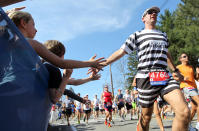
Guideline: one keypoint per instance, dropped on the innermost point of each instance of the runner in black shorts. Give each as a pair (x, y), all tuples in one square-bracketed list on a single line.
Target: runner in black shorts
[(128, 102), (87, 109), (120, 103)]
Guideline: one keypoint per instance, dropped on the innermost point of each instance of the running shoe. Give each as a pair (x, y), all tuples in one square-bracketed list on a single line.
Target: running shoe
[(105, 122), (109, 125)]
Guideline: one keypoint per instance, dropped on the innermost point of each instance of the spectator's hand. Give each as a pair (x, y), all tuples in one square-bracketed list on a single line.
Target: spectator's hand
[(92, 69), (67, 73), (14, 9), (94, 76), (96, 63), (55, 95)]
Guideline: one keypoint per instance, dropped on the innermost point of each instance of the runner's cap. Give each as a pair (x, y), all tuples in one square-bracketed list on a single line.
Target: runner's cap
[(152, 8)]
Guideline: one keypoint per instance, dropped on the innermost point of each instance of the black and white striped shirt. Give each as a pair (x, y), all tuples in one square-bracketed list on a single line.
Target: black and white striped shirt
[(151, 46)]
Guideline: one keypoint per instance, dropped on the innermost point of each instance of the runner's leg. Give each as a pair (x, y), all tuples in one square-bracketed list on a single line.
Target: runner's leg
[(182, 114), (145, 118), (196, 100), (193, 109), (157, 115)]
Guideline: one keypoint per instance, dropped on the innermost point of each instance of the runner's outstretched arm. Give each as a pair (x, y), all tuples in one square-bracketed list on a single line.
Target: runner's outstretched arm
[(115, 56)]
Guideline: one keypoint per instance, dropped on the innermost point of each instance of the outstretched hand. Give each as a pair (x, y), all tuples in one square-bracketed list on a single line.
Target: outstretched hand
[(101, 65), (95, 76), (97, 63), (14, 9), (67, 73)]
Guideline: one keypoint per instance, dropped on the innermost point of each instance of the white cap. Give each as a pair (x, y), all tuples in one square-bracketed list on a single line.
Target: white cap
[(152, 8)]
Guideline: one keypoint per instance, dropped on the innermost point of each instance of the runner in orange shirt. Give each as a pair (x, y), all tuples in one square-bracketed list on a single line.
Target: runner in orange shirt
[(188, 85)]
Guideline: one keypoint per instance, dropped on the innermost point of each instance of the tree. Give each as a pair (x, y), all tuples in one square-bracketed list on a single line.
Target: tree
[(182, 28), (121, 66), (132, 68)]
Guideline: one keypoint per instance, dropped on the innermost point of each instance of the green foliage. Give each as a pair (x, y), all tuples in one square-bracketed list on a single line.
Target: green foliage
[(182, 28), (132, 68)]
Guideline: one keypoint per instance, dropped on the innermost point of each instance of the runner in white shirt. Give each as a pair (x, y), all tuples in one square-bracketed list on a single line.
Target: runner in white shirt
[(101, 107), (96, 107), (79, 109), (68, 110), (87, 109), (128, 101)]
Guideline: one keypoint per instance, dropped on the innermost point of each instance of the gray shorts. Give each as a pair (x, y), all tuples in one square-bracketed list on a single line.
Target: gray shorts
[(188, 91)]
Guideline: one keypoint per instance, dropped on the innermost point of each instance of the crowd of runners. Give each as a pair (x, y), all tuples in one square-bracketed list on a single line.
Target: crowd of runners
[(155, 89), (106, 106)]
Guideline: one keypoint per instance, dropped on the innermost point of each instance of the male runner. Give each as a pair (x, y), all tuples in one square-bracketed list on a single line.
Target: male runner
[(153, 58)]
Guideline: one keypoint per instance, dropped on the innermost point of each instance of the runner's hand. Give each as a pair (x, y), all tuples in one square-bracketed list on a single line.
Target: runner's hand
[(96, 63), (175, 76), (178, 76)]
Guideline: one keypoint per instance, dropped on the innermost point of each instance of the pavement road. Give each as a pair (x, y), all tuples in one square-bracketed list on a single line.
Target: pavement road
[(98, 125)]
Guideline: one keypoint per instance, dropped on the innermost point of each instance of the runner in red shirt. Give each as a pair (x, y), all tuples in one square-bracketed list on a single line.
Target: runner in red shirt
[(107, 99)]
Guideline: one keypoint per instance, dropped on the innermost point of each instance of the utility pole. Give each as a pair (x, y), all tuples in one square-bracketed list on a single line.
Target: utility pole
[(111, 81)]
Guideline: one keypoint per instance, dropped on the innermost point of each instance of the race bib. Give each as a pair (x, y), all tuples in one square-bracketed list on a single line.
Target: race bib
[(158, 78)]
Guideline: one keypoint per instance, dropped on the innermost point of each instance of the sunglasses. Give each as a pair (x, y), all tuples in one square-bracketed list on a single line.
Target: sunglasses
[(184, 56), (151, 12)]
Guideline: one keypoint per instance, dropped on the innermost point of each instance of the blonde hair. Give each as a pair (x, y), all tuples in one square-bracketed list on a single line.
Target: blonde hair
[(55, 47), (17, 16)]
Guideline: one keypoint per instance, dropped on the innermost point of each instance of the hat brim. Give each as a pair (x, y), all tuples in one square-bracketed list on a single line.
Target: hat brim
[(152, 8)]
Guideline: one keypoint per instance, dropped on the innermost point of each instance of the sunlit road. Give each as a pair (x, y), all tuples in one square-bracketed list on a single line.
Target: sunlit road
[(98, 125)]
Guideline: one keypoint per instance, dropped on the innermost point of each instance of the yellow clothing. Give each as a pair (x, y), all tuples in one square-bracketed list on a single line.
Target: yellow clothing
[(187, 71)]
